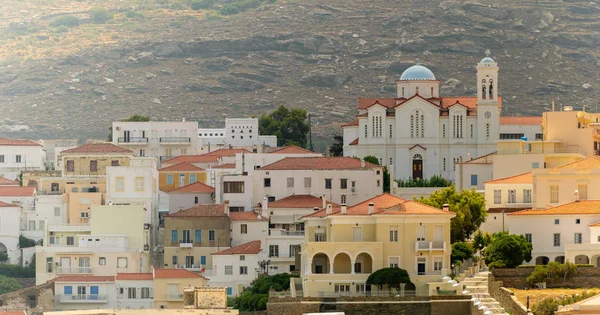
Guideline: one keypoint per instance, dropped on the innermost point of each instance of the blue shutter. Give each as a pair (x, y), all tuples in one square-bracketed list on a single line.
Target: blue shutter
[(174, 236), (68, 289), (94, 289), (192, 178), (203, 260), (198, 236), (473, 180), (229, 291), (169, 179)]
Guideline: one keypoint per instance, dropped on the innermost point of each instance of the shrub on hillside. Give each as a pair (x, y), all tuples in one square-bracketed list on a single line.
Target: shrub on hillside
[(100, 15), (229, 9), (65, 20), (201, 4)]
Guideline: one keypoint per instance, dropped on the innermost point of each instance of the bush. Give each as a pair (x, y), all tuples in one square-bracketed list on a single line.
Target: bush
[(508, 250), (461, 251), (134, 14), (201, 4), (549, 305), (434, 181), (390, 277), (100, 15), (65, 20), (539, 274), (25, 242), (229, 9), (8, 285), (256, 296), (14, 271), (3, 256)]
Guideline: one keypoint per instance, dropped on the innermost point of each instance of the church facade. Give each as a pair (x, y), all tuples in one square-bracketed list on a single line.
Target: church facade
[(420, 133)]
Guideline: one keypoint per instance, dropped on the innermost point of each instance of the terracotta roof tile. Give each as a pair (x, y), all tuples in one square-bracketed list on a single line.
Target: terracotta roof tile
[(7, 205), (318, 163), (354, 142), (134, 276), (586, 164), (191, 159), (575, 207), (597, 224), (181, 167), (520, 120), (350, 124), (74, 278), (18, 142), (227, 152), (388, 102), (197, 187), (13, 313), (246, 216), (97, 148), (386, 204), (467, 101), (16, 191), (208, 210), (249, 248), (226, 165), (8, 182), (505, 210), (525, 178), (484, 159), (292, 149), (299, 201), (175, 274)]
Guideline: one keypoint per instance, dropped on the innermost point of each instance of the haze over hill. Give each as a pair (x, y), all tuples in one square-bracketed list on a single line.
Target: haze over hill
[(168, 61)]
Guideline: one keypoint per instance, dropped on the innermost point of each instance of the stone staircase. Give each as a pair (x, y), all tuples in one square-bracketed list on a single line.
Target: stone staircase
[(477, 287)]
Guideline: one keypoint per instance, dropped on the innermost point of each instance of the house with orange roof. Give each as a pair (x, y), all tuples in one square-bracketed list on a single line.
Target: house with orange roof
[(473, 172), (189, 195), (169, 285), (247, 226), (135, 290), (179, 175), (236, 267), (18, 155), (344, 245), (237, 133), (83, 292), (92, 159), (504, 196)]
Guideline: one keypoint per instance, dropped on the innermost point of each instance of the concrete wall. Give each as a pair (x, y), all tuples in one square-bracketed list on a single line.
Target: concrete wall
[(506, 298), (410, 192), (19, 300), (146, 312)]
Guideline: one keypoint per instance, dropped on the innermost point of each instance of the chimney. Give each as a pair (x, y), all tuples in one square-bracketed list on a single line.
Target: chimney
[(323, 202), (576, 195), (445, 207), (371, 208), (265, 208), (344, 208), (226, 206), (329, 209), (363, 164)]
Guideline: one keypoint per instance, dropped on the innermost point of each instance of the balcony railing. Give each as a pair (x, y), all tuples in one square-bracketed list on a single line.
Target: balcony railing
[(282, 232), (133, 140), (73, 270), (427, 245), (186, 244), (175, 139), (192, 267), (176, 297), (82, 298), (72, 227)]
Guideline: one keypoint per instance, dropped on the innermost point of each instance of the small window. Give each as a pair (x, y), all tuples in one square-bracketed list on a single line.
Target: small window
[(195, 200), (174, 236), (343, 199), (473, 180), (535, 164), (114, 163), (267, 182), (556, 239), (70, 166), (229, 270), (290, 182), (528, 237), (578, 238), (244, 228), (169, 179), (18, 158), (343, 183), (273, 250), (139, 184), (102, 261), (242, 257), (307, 182), (211, 235), (556, 221), (554, 194), (394, 233), (119, 184), (57, 211), (577, 221), (94, 166), (327, 183), (122, 262), (243, 270), (497, 196), (70, 240), (1, 158)]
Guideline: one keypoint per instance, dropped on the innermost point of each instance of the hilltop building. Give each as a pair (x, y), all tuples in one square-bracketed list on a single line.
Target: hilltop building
[(238, 132)]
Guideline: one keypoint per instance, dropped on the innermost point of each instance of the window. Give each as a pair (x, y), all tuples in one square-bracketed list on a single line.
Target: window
[(528, 237), (487, 130), (175, 260), (391, 161), (514, 136), (114, 163), (342, 288), (357, 234), (294, 249), (577, 238), (556, 239), (535, 164), (18, 158), (186, 237), (437, 263), (526, 195), (139, 184), (242, 257), (174, 236), (84, 262), (582, 188), (343, 183), (553, 193), (267, 182), (70, 240), (444, 131), (376, 123), (497, 196), (244, 228), (196, 200), (81, 290), (192, 178), (273, 250), (320, 237), (457, 122), (70, 166), (378, 182), (343, 199), (131, 293), (57, 211), (120, 184), (394, 233), (539, 136), (512, 196), (1, 158), (229, 270), (577, 221), (68, 289), (145, 293), (243, 270), (290, 182), (102, 261), (307, 182), (94, 166), (444, 162), (203, 260), (31, 225), (233, 187), (211, 235), (357, 267), (471, 131), (366, 131), (198, 236), (169, 179), (473, 180), (391, 131), (327, 183), (394, 262), (49, 264)]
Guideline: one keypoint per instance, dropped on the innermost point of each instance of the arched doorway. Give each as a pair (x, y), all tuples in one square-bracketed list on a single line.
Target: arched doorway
[(417, 165), (342, 263), (363, 263), (596, 261), (542, 260), (582, 260), (560, 259), (320, 263)]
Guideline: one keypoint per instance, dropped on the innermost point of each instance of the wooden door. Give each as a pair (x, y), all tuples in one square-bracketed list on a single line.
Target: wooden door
[(417, 169)]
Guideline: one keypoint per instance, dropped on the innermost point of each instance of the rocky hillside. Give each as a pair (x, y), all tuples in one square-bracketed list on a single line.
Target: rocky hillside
[(321, 55)]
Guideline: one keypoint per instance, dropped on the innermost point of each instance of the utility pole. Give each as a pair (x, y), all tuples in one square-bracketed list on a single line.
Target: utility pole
[(310, 144)]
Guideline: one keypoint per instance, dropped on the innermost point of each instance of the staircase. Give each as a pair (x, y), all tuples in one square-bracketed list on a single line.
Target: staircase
[(477, 287)]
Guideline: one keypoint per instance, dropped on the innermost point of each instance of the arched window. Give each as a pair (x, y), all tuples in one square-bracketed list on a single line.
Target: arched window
[(457, 121), (491, 89), (483, 89), (417, 157)]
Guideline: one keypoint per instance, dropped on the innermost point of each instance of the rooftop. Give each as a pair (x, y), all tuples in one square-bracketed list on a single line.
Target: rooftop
[(16, 191), (575, 207), (292, 149), (75, 278), (197, 187), (134, 276), (18, 142), (191, 159), (7, 205), (318, 163), (181, 167), (352, 123), (8, 182), (246, 216), (525, 178), (227, 152), (175, 274), (586, 164), (226, 165), (520, 120), (206, 210), (300, 201), (97, 148), (249, 248)]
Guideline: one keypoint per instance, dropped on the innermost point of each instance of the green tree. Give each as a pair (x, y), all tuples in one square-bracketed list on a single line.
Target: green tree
[(25, 242), (337, 147), (390, 277), (461, 251), (255, 297), (481, 240), (201, 4), (289, 126), (100, 15), (65, 20), (468, 205), (371, 159), (8, 285), (507, 250), (3, 256), (135, 117)]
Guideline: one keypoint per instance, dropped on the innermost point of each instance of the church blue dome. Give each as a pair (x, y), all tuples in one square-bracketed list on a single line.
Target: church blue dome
[(487, 60), (417, 72)]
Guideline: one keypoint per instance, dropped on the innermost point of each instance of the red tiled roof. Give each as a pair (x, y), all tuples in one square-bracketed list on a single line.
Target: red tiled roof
[(226, 165), (16, 191), (191, 159), (8, 182), (249, 248), (227, 152), (575, 207), (13, 313), (175, 274), (525, 178), (354, 142), (585, 164), (300, 201), (181, 167), (505, 210), (75, 278), (197, 187), (98, 148), (18, 142), (6, 205), (134, 276), (388, 102), (246, 216), (467, 101), (484, 159), (386, 204), (318, 163), (350, 124), (292, 149), (208, 210), (597, 224), (520, 120)]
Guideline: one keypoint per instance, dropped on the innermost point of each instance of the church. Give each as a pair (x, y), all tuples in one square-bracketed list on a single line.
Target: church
[(420, 133)]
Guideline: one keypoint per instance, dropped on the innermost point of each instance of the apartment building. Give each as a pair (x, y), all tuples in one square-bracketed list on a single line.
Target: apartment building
[(81, 292), (9, 231), (504, 196), (18, 155), (189, 196), (135, 290), (161, 140), (238, 132), (517, 127), (344, 245), (169, 285), (247, 226), (92, 159), (179, 175), (235, 268)]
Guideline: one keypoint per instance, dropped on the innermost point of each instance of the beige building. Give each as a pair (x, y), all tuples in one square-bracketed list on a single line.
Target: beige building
[(169, 285), (92, 159), (344, 245), (504, 196)]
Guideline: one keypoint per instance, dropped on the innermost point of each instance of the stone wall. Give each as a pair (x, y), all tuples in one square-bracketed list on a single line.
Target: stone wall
[(586, 277), (36, 300), (506, 298)]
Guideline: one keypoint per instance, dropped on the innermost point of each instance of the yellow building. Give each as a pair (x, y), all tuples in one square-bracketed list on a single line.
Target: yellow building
[(179, 175), (169, 285), (343, 246), (92, 159)]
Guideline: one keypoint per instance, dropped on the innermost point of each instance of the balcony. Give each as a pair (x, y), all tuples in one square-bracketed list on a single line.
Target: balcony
[(73, 227), (429, 246), (73, 270), (175, 297), (175, 140), (282, 232), (81, 298), (517, 204), (133, 140), (192, 267), (186, 244)]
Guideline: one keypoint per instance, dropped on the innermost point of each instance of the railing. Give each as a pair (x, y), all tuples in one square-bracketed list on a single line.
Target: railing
[(282, 232), (175, 297), (193, 267), (49, 192), (73, 270), (426, 245), (186, 244), (82, 298), (141, 140), (542, 151), (175, 139)]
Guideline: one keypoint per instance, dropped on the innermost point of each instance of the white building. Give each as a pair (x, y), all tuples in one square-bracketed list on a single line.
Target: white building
[(188, 196), (236, 267), (421, 133), (135, 290), (84, 293), (518, 127), (162, 140), (49, 209), (247, 226), (20, 155), (238, 132), (9, 231), (53, 149)]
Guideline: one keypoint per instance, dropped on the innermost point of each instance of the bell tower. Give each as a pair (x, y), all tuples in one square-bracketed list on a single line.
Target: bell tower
[(487, 80)]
